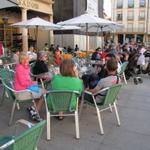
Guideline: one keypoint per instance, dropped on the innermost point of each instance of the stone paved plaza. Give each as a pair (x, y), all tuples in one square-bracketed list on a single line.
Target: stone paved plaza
[(134, 132)]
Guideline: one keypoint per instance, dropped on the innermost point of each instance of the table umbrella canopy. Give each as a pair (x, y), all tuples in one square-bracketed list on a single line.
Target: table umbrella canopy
[(86, 20), (36, 22), (111, 27), (63, 28)]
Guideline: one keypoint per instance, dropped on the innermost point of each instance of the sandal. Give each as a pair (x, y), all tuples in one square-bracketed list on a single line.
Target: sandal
[(60, 117)]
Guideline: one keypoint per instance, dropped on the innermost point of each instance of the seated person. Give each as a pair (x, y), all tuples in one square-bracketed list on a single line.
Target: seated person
[(96, 55), (67, 80), (15, 57), (56, 58), (22, 81), (65, 50), (69, 49), (103, 72), (76, 48), (32, 55), (91, 80), (52, 49), (46, 47), (41, 66), (111, 79)]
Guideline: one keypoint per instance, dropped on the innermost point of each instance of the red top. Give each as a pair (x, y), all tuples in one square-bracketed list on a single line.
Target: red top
[(103, 55), (58, 60), (1, 49)]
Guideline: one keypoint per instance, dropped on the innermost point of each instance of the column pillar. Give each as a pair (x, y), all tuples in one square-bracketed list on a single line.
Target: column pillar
[(115, 38), (135, 37), (124, 38), (24, 31), (51, 33)]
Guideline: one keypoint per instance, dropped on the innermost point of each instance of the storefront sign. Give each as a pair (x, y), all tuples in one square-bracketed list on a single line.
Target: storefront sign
[(28, 4), (92, 7)]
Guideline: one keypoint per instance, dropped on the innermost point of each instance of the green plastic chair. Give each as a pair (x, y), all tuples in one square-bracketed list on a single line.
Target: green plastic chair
[(27, 140), (5, 74), (62, 101), (12, 94), (108, 101), (121, 74)]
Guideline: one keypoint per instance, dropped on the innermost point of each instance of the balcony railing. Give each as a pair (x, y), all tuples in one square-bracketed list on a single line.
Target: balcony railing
[(130, 5), (119, 6), (129, 30), (130, 18), (141, 18)]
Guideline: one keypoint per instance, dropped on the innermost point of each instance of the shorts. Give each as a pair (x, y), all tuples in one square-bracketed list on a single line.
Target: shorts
[(29, 95)]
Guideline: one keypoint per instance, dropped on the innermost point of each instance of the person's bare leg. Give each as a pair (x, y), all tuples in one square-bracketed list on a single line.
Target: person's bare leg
[(61, 116), (39, 104)]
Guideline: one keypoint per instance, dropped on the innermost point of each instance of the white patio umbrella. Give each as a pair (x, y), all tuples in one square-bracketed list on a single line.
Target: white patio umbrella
[(111, 27), (86, 20), (36, 23)]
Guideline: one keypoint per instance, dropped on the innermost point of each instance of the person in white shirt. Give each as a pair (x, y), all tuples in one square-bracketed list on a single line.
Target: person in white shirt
[(142, 50), (32, 55)]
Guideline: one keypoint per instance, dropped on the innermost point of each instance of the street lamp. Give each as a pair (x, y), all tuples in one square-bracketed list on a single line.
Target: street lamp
[(5, 21)]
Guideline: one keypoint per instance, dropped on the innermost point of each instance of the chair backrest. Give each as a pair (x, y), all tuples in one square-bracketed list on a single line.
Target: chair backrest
[(6, 74), (8, 84), (62, 101), (123, 68), (5, 59), (29, 139), (112, 94), (31, 67)]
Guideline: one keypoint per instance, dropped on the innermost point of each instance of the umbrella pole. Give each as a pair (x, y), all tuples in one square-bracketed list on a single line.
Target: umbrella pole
[(97, 37), (102, 36), (87, 37), (62, 39), (36, 37)]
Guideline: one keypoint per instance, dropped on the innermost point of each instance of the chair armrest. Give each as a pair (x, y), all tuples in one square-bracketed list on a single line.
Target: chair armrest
[(22, 122), (100, 91), (13, 89), (77, 92), (7, 144), (88, 92), (25, 122), (20, 91), (51, 91)]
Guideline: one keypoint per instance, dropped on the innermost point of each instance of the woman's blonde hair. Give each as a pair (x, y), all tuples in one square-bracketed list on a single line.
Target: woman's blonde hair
[(22, 57), (67, 68)]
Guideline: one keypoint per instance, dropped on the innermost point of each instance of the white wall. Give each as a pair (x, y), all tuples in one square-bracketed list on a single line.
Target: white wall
[(43, 37), (80, 40)]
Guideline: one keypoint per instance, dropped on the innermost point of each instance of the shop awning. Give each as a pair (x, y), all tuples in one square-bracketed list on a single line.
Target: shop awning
[(7, 3)]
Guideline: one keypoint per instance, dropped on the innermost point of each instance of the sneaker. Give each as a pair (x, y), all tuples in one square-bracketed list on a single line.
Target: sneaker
[(60, 117), (135, 81), (36, 117), (140, 80), (33, 114)]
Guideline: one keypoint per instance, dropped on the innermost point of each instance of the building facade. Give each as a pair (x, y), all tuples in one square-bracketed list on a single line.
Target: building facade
[(135, 16), (12, 11), (67, 9)]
